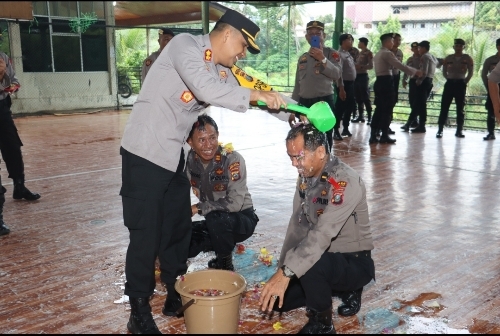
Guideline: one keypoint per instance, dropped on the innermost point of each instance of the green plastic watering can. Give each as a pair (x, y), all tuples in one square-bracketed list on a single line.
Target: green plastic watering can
[(319, 114)]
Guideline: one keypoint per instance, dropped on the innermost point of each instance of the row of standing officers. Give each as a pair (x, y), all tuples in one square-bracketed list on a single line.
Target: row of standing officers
[(314, 79)]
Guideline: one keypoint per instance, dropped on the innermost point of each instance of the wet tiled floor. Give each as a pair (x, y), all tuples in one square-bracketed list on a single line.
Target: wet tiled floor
[(433, 208)]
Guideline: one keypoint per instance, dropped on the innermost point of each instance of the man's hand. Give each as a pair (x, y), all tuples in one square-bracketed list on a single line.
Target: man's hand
[(194, 210), (317, 54), (292, 120), (273, 99), (419, 73), (342, 94), (276, 286)]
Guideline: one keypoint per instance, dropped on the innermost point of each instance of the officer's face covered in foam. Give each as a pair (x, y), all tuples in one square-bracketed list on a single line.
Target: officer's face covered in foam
[(205, 142), (308, 163)]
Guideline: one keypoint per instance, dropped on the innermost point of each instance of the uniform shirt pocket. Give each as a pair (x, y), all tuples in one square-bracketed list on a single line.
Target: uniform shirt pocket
[(186, 100), (134, 204)]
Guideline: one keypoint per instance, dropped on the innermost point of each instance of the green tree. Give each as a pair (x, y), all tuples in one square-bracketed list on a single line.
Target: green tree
[(487, 13), (391, 26)]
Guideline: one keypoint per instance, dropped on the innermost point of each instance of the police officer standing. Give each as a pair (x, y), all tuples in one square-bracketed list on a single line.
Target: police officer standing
[(190, 73), (455, 68), (328, 242), (4, 229), (423, 85), (488, 66), (414, 62), (494, 90), (164, 36), (346, 101), (364, 63), (395, 72), (384, 62), (317, 69), (10, 142), (218, 178), (355, 54)]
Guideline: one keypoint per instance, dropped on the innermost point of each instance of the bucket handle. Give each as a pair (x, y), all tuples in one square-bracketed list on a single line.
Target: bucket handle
[(186, 306)]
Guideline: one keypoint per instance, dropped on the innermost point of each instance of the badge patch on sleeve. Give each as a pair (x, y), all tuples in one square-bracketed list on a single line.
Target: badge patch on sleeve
[(319, 212), (208, 55), (234, 169), (338, 191), (148, 62), (336, 56), (187, 96)]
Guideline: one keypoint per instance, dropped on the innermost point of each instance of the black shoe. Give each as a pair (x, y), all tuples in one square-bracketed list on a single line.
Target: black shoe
[(389, 131), (351, 303), (439, 134), (405, 127), (419, 129), (141, 320), (337, 136), (369, 121), (490, 136), (346, 133), (319, 323), (358, 119), (172, 303), (459, 134), (4, 229), (373, 139), (20, 191), (386, 139), (414, 124), (222, 262)]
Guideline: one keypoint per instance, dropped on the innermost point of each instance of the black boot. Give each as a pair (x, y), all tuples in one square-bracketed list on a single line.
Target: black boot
[(439, 134), (346, 133), (4, 229), (419, 129), (141, 320), (351, 303), (222, 262), (20, 191), (490, 136), (459, 134), (389, 131), (319, 322), (369, 117), (360, 117), (406, 127), (336, 135), (172, 303), (200, 239), (373, 136)]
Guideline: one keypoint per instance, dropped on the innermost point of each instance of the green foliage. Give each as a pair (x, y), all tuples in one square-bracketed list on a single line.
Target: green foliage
[(392, 26), (487, 13)]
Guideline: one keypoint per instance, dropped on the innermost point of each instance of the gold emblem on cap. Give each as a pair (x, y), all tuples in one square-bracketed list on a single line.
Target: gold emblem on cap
[(160, 32), (251, 39)]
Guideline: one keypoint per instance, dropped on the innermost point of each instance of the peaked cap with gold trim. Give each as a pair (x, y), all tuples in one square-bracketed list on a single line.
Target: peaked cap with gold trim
[(248, 29)]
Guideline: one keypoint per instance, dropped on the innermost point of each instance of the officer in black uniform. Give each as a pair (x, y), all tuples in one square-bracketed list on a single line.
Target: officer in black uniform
[(488, 66), (10, 143)]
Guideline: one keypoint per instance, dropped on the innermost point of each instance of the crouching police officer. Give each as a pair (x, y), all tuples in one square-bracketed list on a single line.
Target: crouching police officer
[(218, 178), (327, 247)]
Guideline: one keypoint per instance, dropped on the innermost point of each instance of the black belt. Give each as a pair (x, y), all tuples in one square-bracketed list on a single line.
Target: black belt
[(360, 254), (455, 80)]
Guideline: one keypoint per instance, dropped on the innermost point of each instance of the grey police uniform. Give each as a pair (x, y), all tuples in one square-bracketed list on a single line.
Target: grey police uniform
[(226, 204), (148, 63), (155, 189), (384, 63), (423, 88), (454, 70), (364, 62), (344, 108), (414, 62), (328, 242), (313, 81), (10, 142), (488, 66), (397, 76)]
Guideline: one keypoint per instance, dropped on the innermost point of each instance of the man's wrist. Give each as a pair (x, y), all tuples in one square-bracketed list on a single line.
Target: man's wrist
[(287, 272), (323, 60)]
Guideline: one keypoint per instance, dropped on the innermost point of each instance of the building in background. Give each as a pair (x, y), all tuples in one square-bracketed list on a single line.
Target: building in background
[(361, 15)]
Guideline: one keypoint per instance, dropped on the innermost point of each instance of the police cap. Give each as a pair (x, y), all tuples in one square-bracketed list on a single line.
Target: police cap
[(315, 24), (425, 44), (248, 29), (364, 40), (344, 37), (414, 44), (459, 41), (165, 31), (384, 37)]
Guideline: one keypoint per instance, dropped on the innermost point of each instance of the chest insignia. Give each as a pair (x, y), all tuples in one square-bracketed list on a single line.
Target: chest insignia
[(223, 74), (219, 187), (219, 171), (319, 212), (187, 96)]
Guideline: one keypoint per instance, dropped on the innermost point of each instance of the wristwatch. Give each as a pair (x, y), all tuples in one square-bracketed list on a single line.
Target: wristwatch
[(199, 209), (287, 272), (324, 60)]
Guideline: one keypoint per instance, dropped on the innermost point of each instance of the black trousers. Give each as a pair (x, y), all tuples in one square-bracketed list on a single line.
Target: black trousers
[(419, 106), (2, 196), (453, 88), (332, 273), (220, 231), (412, 90), (308, 102), (10, 143), (345, 107), (396, 80), (362, 93), (490, 119), (384, 103), (157, 212)]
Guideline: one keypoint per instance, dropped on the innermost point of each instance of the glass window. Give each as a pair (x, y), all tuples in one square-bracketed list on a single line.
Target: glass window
[(94, 48), (63, 8), (4, 37), (40, 8), (403, 26), (88, 7), (66, 53), (35, 46), (422, 25), (61, 26)]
